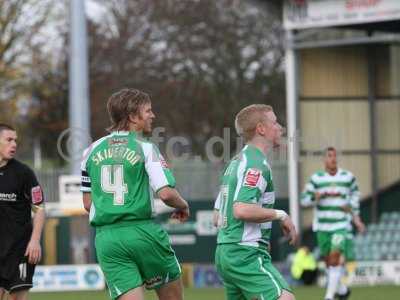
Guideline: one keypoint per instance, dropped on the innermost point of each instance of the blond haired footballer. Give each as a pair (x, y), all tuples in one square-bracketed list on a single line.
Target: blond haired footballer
[(120, 172), (245, 213)]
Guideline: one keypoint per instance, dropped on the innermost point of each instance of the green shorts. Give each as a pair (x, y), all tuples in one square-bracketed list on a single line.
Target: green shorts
[(134, 254), (247, 273), (331, 241), (349, 247)]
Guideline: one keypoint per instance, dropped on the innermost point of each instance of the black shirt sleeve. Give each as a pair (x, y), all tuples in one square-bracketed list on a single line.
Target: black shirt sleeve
[(32, 189)]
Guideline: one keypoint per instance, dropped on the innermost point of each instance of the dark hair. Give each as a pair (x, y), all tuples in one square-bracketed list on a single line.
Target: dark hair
[(4, 126), (330, 148), (123, 104)]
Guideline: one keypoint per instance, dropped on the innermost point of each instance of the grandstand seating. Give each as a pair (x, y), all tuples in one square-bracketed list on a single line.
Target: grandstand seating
[(381, 240)]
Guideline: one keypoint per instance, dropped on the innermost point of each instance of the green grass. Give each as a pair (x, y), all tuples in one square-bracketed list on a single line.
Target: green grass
[(302, 293)]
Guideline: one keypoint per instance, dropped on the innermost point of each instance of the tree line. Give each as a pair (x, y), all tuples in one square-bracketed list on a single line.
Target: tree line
[(200, 60)]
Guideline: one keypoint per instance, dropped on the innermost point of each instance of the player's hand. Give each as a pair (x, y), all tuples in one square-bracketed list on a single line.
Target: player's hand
[(289, 230), (33, 252), (346, 208), (359, 224), (317, 197), (215, 217), (181, 214)]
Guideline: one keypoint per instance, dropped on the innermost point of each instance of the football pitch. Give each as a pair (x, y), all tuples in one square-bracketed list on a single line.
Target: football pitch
[(302, 293)]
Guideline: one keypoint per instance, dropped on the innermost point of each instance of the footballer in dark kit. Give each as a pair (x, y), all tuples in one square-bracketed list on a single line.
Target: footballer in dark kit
[(20, 195)]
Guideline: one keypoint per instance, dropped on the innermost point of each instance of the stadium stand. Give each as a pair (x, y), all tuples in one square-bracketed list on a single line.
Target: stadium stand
[(381, 240)]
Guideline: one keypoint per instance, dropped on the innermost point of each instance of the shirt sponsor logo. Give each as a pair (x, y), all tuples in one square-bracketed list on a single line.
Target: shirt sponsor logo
[(118, 141), (251, 178), (8, 197), (330, 194), (37, 195)]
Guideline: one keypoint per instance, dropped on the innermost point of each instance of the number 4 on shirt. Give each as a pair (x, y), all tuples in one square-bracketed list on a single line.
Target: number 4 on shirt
[(112, 181)]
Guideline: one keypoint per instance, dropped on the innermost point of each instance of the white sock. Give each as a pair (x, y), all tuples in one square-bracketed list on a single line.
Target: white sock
[(342, 289), (334, 275)]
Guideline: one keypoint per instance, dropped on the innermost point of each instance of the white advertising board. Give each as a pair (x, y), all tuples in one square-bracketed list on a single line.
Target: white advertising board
[(301, 14), (374, 273), (68, 278)]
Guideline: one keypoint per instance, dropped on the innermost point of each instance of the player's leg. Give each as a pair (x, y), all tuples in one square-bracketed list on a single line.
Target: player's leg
[(171, 291), (122, 275), (336, 262), (20, 295), (20, 278), (157, 261), (2, 293), (232, 292), (343, 291), (276, 286), (222, 262), (324, 245), (286, 295), (134, 294), (251, 272)]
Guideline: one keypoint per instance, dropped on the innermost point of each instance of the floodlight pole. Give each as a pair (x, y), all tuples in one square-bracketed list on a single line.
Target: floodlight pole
[(79, 114), (292, 147)]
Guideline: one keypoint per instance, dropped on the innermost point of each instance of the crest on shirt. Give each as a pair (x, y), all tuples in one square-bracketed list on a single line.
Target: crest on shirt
[(37, 195), (251, 178), (163, 162)]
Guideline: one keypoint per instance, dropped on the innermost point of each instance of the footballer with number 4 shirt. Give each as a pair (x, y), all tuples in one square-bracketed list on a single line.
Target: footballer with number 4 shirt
[(120, 171), (20, 194)]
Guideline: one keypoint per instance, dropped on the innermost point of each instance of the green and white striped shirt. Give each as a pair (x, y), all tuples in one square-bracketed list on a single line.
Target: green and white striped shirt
[(247, 179), (336, 191)]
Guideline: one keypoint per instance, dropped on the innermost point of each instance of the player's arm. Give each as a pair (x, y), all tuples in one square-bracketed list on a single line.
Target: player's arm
[(310, 196), (254, 213), (217, 207), (354, 195), (172, 198), (34, 193), (246, 206), (163, 182), (86, 185), (87, 201), (253, 183), (358, 223), (33, 251)]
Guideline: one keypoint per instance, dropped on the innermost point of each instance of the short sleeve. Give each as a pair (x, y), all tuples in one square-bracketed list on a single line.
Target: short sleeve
[(159, 173), (251, 182), (308, 196), (86, 184), (32, 189), (217, 204), (354, 196)]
